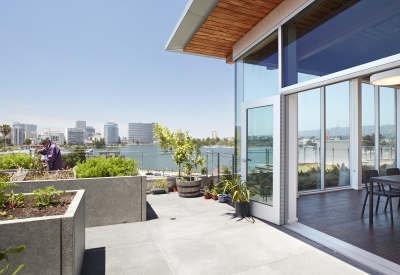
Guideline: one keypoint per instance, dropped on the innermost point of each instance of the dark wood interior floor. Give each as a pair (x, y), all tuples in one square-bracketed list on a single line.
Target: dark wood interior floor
[(338, 214)]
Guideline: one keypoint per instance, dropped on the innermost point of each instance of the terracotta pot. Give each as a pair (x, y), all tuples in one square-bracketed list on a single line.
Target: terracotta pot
[(214, 197), (175, 189), (207, 196)]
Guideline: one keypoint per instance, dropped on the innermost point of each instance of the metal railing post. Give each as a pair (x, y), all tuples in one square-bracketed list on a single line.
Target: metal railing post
[(233, 166), (218, 165)]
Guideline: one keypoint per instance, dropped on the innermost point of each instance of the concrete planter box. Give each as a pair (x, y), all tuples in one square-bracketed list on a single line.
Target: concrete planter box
[(113, 200), (54, 244)]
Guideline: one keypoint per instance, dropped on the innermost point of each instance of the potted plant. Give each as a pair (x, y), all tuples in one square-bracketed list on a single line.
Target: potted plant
[(185, 153), (240, 195), (207, 194), (214, 194), (160, 186)]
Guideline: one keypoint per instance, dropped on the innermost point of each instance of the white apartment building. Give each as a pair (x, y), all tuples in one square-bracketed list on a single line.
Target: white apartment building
[(75, 136), (214, 134), (110, 133), (140, 132), (55, 136)]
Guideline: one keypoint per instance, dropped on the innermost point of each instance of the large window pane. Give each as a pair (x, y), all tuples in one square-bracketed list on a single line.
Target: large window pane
[(330, 36), (260, 70), (337, 170), (386, 128), (309, 151), (368, 127), (260, 154)]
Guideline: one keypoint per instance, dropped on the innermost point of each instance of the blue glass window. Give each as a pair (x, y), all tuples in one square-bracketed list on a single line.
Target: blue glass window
[(330, 36)]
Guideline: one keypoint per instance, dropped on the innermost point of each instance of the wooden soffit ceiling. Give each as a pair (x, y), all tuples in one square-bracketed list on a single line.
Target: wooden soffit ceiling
[(228, 21)]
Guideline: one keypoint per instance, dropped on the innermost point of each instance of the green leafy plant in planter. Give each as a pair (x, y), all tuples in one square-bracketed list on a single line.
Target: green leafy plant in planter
[(214, 193), (3, 186), (240, 195), (4, 257), (46, 196), (106, 167), (185, 153), (160, 186)]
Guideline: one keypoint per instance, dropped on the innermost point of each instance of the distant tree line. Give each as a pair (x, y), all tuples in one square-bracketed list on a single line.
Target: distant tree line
[(213, 141)]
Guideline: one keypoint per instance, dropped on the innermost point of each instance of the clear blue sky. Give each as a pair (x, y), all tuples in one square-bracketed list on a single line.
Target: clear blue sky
[(101, 61)]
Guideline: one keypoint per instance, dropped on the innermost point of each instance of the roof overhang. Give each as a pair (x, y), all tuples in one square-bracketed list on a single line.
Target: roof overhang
[(211, 27)]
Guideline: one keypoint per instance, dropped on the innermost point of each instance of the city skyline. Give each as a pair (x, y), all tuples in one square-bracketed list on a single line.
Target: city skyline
[(64, 61)]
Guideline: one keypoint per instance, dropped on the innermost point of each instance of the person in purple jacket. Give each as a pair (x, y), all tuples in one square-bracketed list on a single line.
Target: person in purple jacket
[(53, 153)]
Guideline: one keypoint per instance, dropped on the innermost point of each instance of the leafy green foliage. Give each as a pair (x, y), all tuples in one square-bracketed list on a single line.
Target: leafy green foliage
[(106, 167), (72, 159), (99, 143), (3, 186), (15, 161), (27, 141), (237, 188), (46, 196), (161, 183), (182, 146), (3, 256), (15, 201), (5, 129)]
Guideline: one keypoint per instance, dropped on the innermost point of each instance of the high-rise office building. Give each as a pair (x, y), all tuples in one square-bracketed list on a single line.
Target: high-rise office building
[(214, 134), (75, 136), (17, 135), (140, 132), (80, 124), (110, 133), (90, 131)]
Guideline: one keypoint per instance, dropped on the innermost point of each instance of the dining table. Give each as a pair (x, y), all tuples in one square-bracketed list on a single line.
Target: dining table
[(391, 180)]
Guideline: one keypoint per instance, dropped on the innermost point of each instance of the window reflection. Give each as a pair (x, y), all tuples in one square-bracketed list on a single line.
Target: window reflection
[(309, 148), (387, 135), (260, 70), (368, 127), (330, 36), (337, 148), (260, 154)]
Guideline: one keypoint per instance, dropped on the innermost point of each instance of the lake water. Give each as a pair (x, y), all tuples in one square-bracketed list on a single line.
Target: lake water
[(150, 157)]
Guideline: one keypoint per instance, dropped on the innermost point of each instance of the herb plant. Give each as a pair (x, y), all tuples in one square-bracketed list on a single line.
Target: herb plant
[(106, 167), (46, 196), (3, 256)]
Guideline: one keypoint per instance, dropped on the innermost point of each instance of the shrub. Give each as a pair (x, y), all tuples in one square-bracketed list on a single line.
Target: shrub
[(106, 167), (15, 161), (72, 159)]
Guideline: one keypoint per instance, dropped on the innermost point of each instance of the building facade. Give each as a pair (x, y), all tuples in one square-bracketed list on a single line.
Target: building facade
[(75, 136), (80, 124), (110, 133), (90, 131), (326, 72), (140, 132), (17, 135), (55, 136), (214, 134)]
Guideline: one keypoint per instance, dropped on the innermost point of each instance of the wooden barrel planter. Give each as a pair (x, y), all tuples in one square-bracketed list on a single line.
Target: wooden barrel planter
[(188, 189)]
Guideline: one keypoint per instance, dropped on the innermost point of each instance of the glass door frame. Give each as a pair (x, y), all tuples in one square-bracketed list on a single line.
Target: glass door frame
[(275, 213)]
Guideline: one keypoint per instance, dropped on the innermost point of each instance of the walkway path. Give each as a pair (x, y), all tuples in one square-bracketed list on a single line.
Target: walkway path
[(198, 236)]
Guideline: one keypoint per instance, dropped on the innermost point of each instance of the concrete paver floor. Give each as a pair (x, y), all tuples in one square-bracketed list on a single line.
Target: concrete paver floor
[(198, 236)]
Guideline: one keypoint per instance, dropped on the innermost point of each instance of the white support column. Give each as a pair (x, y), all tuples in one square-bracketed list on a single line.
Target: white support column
[(377, 130), (397, 128), (291, 182), (323, 136), (355, 134)]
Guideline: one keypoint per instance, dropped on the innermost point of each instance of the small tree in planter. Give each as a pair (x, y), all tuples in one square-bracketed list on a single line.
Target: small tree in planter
[(184, 152), (240, 195)]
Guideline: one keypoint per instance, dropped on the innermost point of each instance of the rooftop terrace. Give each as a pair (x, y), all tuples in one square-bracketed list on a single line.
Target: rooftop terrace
[(198, 236)]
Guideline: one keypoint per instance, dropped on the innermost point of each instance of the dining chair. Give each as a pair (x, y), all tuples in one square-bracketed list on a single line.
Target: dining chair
[(391, 172), (380, 192)]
